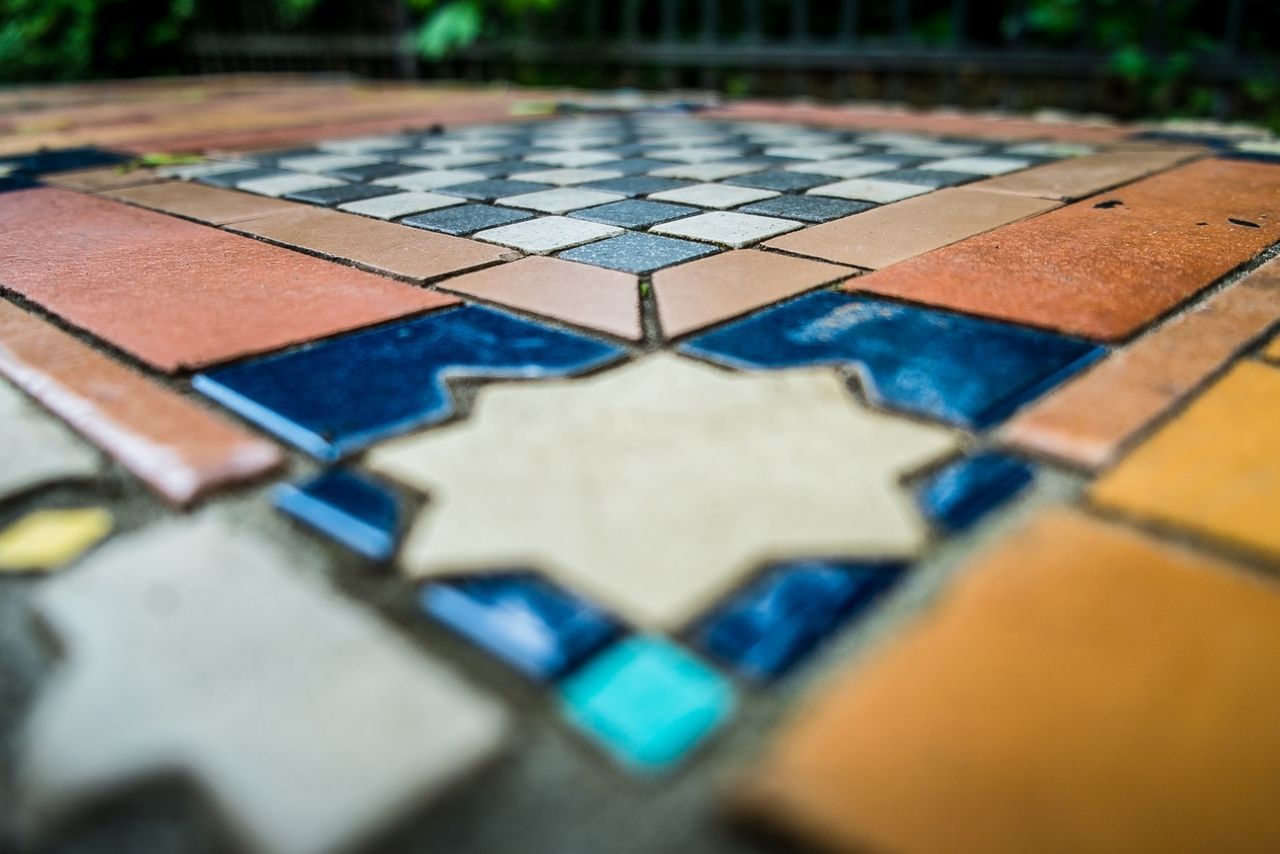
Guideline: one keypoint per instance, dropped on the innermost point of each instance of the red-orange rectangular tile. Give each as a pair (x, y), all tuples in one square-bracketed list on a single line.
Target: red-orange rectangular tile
[(212, 205), (1087, 421), (1106, 267), (180, 295), (180, 449)]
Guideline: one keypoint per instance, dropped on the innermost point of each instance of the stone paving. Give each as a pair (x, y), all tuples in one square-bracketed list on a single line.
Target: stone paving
[(424, 468)]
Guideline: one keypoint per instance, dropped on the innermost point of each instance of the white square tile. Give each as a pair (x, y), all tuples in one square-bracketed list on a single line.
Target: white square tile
[(560, 200), (365, 144), (400, 204), (283, 185), (547, 234), (206, 169), (870, 190), (978, 165), (432, 179), (813, 152), (713, 195), (852, 167), (727, 228), (565, 177), (325, 162), (933, 148), (448, 161), (710, 171), (695, 155), (572, 159)]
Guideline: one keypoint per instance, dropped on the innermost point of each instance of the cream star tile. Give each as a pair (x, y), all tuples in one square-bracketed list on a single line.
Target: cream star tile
[(196, 648), (655, 488)]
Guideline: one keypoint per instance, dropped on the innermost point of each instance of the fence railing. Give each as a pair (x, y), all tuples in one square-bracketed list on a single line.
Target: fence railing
[(945, 51)]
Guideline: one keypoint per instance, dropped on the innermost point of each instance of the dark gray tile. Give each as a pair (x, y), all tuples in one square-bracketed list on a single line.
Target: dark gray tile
[(928, 177), (497, 188), (465, 219), (635, 166), (638, 253), (373, 172), (780, 180), (634, 213), (230, 179), (806, 208), (340, 195), (638, 185)]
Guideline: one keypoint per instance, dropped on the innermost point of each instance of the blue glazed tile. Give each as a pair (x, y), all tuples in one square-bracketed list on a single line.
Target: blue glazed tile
[(638, 252), (339, 395), (66, 160), (950, 367), (965, 491), (763, 631), (360, 514), (647, 702), (537, 628)]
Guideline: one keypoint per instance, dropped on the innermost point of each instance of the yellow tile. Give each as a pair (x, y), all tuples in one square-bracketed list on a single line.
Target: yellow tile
[(1214, 469), (48, 539), (1273, 349)]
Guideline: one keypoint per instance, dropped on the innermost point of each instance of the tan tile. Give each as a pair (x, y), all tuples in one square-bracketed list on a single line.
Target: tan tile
[(1215, 468), (1088, 420), (213, 205), (1106, 267), (101, 179), (1075, 178), (657, 487), (580, 294), (384, 247), (178, 448), (180, 295), (887, 235), (700, 293), (1081, 688)]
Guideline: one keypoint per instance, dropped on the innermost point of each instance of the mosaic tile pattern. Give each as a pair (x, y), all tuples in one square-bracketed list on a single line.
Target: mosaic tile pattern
[(653, 479)]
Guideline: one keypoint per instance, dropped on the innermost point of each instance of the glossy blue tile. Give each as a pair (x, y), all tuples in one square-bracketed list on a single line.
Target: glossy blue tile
[(965, 491), (950, 367), (647, 702), (763, 631), (537, 628), (336, 396), (359, 513)]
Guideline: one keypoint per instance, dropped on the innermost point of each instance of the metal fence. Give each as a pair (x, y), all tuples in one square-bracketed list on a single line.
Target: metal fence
[(945, 51)]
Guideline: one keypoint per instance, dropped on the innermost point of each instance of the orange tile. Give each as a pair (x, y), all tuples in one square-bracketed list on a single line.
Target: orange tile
[(178, 448), (211, 205), (896, 232), (1087, 421), (1080, 688), (1075, 178), (697, 294), (179, 295), (580, 294), (383, 247), (1215, 468)]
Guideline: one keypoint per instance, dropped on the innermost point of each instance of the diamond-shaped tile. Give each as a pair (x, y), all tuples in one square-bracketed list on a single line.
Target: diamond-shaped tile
[(870, 190), (780, 180), (638, 253), (493, 188), (546, 234), (284, 184), (711, 171), (340, 195), (636, 185), (806, 208), (713, 195), (853, 167), (316, 163), (635, 213), (726, 228), (572, 159), (565, 177), (560, 200), (465, 219), (399, 204), (988, 165), (431, 180), (647, 702)]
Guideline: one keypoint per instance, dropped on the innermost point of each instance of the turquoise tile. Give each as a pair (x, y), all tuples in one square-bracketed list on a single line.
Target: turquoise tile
[(647, 702)]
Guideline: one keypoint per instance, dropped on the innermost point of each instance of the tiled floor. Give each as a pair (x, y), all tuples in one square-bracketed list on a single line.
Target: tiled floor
[(440, 470)]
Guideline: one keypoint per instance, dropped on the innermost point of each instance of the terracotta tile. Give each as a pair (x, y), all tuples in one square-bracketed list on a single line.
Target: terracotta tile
[(203, 204), (180, 295), (887, 235), (580, 294), (1081, 688), (180, 449), (1103, 268), (1087, 421), (700, 293), (101, 179), (1215, 468), (384, 247), (1076, 178)]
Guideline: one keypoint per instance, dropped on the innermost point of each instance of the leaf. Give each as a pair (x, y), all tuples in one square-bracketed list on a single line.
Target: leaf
[(450, 27)]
